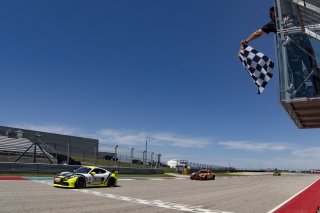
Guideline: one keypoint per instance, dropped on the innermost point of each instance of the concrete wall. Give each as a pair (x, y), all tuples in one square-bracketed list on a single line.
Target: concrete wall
[(12, 168)]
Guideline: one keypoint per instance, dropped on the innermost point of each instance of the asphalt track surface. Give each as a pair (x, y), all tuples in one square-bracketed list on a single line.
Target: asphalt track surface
[(245, 194)]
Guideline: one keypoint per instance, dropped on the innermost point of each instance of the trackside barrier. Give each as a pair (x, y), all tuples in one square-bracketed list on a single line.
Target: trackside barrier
[(38, 168)]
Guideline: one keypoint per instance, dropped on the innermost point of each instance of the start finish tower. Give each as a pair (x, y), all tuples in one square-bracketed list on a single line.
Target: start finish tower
[(298, 59)]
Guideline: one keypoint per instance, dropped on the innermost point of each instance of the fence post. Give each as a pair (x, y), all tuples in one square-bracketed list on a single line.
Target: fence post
[(152, 159), (115, 155), (144, 158), (96, 155), (159, 160), (131, 156), (68, 154)]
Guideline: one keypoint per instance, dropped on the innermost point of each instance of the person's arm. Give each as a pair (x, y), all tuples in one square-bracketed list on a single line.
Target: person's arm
[(253, 36)]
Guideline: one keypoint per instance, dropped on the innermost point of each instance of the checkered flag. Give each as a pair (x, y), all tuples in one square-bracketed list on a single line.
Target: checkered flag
[(258, 65)]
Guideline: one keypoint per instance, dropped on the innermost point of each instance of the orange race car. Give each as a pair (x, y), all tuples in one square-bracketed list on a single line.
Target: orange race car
[(203, 174)]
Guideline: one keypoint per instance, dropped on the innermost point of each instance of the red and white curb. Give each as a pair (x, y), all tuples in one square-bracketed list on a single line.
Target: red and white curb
[(305, 201)]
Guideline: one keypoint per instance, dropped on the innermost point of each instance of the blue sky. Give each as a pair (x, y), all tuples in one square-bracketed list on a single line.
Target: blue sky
[(122, 70)]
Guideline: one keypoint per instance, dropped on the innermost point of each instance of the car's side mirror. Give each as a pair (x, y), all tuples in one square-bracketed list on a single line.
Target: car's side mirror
[(93, 173)]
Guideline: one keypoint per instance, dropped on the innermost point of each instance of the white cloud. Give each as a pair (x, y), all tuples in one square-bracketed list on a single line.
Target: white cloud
[(110, 137), (308, 153), (252, 146), (52, 128), (124, 137), (293, 162), (294, 158), (131, 137), (169, 156), (180, 141)]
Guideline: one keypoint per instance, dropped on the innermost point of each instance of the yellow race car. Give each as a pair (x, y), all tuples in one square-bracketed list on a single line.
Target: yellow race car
[(86, 176)]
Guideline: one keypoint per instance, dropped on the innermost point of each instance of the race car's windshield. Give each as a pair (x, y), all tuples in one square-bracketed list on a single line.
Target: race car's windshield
[(82, 170)]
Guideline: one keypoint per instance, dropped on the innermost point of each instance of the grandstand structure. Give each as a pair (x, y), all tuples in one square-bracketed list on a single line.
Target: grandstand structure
[(12, 145), (24, 145)]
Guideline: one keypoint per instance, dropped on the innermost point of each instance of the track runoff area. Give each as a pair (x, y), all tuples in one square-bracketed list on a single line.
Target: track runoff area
[(239, 194)]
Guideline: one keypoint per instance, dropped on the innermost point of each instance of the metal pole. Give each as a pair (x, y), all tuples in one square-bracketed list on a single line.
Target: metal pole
[(34, 154), (146, 144), (152, 159), (131, 156), (95, 153), (68, 154), (143, 157), (115, 155), (146, 158), (159, 162), (44, 153)]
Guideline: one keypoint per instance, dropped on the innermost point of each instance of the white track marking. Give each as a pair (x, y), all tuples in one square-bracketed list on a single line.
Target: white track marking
[(155, 203)]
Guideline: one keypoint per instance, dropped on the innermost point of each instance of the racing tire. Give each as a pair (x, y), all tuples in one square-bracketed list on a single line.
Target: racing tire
[(80, 183), (192, 178), (111, 182), (206, 178), (214, 177)]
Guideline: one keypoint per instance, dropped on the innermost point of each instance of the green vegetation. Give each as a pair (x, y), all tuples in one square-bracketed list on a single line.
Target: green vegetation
[(224, 174), (148, 176)]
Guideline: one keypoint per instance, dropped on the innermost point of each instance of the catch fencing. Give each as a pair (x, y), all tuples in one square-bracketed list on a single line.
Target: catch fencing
[(130, 156)]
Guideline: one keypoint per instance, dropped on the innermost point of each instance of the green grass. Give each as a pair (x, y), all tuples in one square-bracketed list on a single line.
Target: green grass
[(226, 174), (149, 176), (223, 174)]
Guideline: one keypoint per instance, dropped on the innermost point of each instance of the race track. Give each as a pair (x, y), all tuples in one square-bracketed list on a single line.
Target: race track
[(245, 194)]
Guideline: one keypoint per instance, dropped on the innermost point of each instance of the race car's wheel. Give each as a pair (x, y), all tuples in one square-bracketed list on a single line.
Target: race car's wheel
[(111, 182), (80, 183), (206, 178), (214, 177), (192, 178)]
